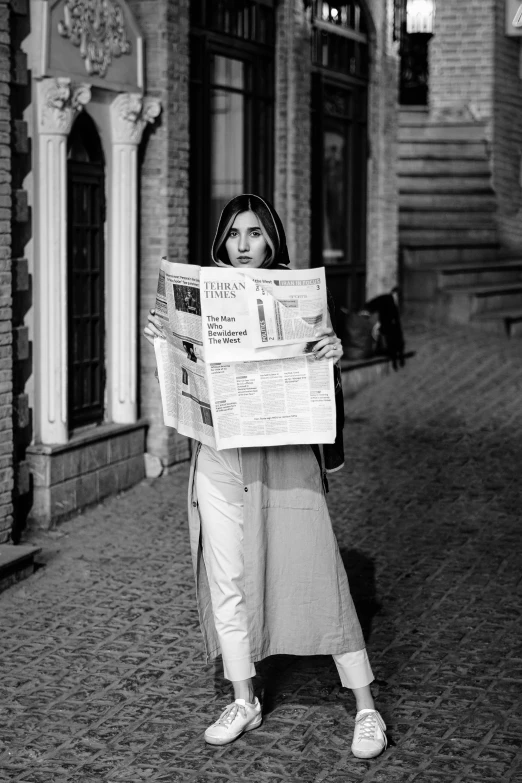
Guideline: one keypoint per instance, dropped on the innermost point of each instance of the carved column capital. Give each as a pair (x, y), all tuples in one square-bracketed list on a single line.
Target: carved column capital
[(130, 113), (59, 101)]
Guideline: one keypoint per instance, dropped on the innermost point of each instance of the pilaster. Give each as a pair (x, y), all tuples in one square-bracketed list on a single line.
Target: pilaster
[(58, 102), (129, 114)]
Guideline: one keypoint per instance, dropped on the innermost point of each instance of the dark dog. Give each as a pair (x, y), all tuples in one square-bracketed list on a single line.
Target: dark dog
[(387, 310)]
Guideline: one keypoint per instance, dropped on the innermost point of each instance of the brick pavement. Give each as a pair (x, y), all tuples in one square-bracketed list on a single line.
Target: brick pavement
[(102, 670)]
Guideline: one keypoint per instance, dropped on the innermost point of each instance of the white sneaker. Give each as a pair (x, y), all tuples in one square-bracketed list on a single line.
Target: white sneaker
[(238, 717), (369, 739)]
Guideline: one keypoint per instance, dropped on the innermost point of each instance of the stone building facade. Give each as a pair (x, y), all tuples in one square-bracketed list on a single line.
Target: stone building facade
[(165, 230), (108, 147)]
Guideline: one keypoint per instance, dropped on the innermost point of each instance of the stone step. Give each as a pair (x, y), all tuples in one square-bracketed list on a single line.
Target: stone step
[(505, 321), (457, 132), (16, 563), (463, 302), (487, 271), (438, 202), (446, 185), (413, 116), (417, 257), (436, 220), (420, 115), (476, 150), (467, 237), (423, 283), (443, 168)]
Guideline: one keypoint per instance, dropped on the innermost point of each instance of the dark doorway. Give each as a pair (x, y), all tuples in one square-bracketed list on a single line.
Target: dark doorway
[(85, 273), (413, 32), (340, 151), (414, 78)]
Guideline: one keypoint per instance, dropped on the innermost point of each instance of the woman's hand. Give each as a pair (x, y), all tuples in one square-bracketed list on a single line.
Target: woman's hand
[(328, 346), (154, 327)]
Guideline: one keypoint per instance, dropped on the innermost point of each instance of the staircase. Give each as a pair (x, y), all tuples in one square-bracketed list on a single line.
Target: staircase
[(453, 267), (16, 563)]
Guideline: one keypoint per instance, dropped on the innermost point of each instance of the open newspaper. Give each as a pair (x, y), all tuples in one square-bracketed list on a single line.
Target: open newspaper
[(235, 366)]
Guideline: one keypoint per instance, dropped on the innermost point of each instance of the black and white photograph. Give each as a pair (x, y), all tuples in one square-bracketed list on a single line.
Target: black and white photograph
[(187, 299), (215, 569), (190, 350)]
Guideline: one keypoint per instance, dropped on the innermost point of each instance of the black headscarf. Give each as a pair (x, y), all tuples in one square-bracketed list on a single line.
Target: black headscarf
[(269, 222)]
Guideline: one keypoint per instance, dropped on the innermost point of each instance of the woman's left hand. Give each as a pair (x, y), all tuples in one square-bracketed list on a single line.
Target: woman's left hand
[(328, 346)]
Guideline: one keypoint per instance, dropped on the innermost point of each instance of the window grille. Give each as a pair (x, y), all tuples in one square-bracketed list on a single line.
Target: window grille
[(343, 16), (245, 19), (340, 38)]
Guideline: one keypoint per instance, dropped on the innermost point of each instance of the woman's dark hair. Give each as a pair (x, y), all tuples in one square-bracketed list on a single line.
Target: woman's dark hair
[(269, 222)]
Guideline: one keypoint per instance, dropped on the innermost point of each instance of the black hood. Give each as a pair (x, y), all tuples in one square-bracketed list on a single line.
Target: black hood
[(269, 221)]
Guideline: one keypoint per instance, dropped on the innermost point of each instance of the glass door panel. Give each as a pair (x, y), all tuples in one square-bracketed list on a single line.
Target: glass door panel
[(339, 190), (227, 176), (334, 197), (227, 72)]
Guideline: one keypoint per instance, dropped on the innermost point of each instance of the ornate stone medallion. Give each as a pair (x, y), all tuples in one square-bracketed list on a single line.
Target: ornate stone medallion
[(98, 28)]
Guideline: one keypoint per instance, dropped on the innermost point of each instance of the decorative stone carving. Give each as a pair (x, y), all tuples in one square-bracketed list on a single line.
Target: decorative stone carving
[(130, 113), (59, 101), (98, 28)]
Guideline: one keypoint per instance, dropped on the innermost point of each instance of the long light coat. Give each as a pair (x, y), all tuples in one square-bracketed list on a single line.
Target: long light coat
[(296, 590)]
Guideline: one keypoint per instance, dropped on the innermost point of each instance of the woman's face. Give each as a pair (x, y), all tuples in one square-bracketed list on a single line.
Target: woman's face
[(245, 244)]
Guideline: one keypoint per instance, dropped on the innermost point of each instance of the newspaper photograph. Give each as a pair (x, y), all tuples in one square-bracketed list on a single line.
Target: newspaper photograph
[(235, 365)]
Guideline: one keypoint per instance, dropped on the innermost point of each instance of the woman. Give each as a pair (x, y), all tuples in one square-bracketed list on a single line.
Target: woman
[(269, 575)]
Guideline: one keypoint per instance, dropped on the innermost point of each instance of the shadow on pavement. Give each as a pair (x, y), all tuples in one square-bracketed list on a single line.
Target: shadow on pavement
[(360, 570)]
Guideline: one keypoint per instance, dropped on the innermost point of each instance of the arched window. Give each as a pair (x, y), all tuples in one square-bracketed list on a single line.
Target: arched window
[(85, 273), (231, 110), (339, 148)]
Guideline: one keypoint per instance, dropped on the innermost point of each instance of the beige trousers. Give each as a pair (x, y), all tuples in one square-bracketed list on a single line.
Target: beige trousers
[(219, 485)]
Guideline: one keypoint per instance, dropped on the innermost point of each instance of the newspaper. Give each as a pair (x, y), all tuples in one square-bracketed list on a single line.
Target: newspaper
[(236, 366)]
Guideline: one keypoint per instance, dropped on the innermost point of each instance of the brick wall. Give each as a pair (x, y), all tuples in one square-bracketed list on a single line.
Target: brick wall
[(461, 58), (163, 188), (21, 288), (507, 132), (292, 128), (6, 432), (474, 70)]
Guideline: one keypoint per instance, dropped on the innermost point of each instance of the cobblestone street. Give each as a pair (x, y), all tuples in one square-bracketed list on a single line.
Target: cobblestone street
[(103, 677)]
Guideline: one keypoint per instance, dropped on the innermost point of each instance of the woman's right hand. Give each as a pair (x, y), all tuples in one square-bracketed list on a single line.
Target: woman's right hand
[(154, 327)]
